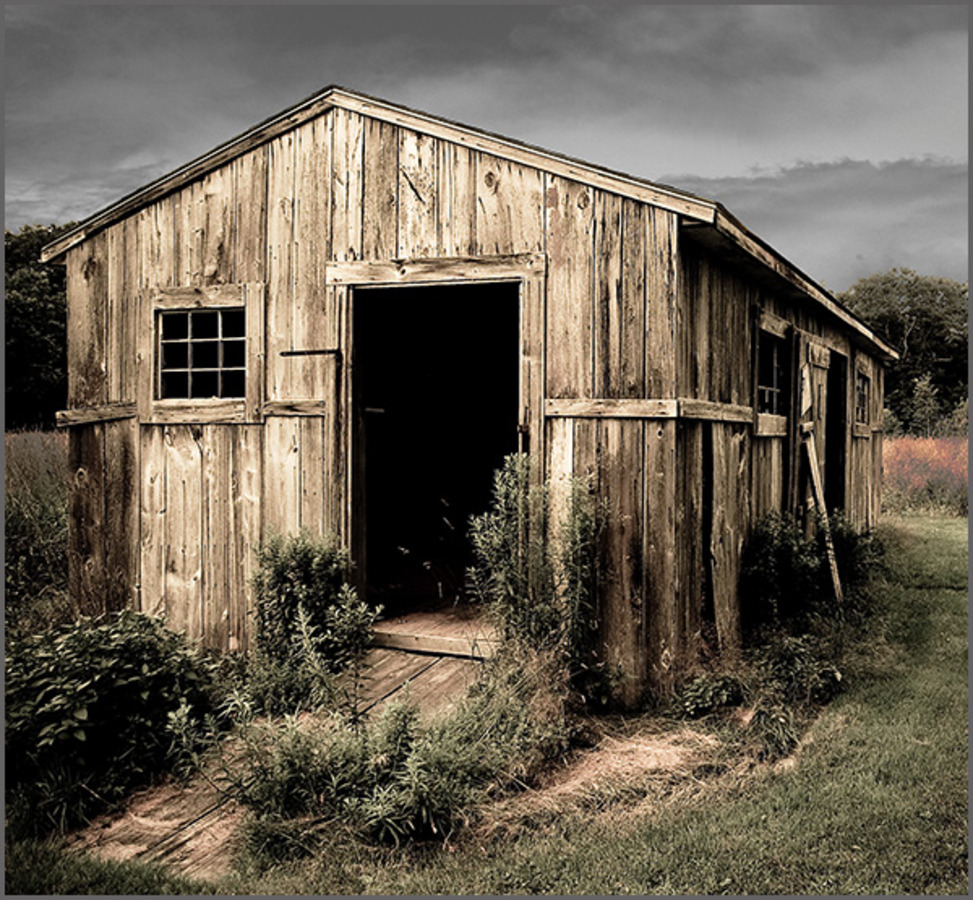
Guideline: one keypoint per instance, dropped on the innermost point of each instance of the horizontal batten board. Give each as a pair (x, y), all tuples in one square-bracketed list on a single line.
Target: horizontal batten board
[(294, 407), (771, 426), (611, 408), (213, 296), (197, 412), (441, 646), (715, 412), (88, 415), (413, 271), (774, 324)]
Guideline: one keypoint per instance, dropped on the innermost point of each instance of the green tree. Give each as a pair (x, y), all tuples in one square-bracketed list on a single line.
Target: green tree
[(926, 319), (35, 321)]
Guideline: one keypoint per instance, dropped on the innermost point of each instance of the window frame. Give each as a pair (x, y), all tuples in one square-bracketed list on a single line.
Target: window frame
[(862, 425), (189, 341), (780, 390), (173, 410)]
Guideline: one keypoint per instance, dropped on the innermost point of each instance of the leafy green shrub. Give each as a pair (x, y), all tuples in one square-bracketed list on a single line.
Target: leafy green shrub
[(785, 577), (87, 711), (797, 670), (36, 531), (311, 625), (537, 578), (774, 726), (707, 693), (396, 779)]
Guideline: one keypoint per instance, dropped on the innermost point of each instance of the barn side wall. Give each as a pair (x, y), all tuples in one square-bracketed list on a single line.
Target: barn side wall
[(171, 499), (734, 473)]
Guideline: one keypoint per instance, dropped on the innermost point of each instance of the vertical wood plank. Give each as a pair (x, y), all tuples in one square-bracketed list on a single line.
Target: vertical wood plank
[(115, 351), (152, 530), (570, 223), (250, 215), (184, 530), (662, 585), (456, 174), (217, 462), (620, 577), (87, 300), (217, 238), (279, 299), (418, 207), (631, 309), (131, 276), (282, 474), (607, 319), (245, 518), (729, 528), (122, 513), (532, 371), (312, 211), (312, 473), (86, 559), (380, 190), (660, 302), (690, 535), (346, 184), (255, 305), (509, 207)]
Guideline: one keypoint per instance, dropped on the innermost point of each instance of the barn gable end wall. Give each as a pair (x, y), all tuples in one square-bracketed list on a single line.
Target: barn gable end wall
[(170, 500)]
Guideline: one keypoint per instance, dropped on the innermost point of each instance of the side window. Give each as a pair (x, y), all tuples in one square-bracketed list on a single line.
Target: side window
[(863, 395), (773, 368), (202, 353)]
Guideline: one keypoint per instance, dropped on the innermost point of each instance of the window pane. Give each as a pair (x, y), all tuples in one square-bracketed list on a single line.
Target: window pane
[(206, 384), (205, 324), (206, 355), (175, 356), (175, 325), (234, 384), (234, 323), (175, 384), (234, 354)]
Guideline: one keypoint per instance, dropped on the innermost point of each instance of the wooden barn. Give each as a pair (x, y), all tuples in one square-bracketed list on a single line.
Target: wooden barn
[(344, 318)]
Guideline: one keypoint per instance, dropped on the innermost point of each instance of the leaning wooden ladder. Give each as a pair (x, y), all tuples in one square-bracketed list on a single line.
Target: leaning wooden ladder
[(817, 492)]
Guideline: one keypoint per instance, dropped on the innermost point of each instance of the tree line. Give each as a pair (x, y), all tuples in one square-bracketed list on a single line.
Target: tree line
[(925, 318)]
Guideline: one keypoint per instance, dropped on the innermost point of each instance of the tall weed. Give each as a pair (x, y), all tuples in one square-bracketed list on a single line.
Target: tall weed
[(36, 531), (925, 475), (535, 570)]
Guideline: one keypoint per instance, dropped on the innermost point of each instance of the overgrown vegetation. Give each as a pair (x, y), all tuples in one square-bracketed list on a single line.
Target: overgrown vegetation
[(401, 779), (87, 708), (310, 624), (535, 572), (36, 532), (925, 475)]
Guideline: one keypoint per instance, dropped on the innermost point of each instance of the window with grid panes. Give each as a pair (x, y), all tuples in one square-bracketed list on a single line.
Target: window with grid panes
[(202, 353), (773, 365)]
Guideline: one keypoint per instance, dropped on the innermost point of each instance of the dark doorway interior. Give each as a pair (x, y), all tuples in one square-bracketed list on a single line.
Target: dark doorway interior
[(835, 432), (436, 375)]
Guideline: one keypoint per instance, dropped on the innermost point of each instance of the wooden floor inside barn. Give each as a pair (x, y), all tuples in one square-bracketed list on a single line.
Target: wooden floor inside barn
[(430, 656)]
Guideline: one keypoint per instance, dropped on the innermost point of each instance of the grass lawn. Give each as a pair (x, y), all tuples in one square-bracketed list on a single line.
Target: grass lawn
[(875, 802)]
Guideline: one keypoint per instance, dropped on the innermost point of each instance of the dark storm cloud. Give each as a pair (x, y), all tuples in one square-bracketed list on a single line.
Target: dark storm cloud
[(840, 221), (102, 99)]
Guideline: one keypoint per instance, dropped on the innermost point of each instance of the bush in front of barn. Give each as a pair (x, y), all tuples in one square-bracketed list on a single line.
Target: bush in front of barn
[(87, 710), (310, 625)]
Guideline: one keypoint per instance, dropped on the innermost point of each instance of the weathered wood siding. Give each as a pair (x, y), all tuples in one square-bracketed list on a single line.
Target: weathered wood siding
[(647, 334)]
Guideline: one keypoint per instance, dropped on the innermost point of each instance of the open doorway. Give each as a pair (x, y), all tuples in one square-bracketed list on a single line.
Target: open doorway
[(836, 432), (436, 395)]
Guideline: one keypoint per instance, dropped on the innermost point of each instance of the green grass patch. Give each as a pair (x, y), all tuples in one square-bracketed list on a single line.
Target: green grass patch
[(874, 802)]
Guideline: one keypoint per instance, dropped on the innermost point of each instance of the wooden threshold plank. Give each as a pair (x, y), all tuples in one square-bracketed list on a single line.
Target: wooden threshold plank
[(476, 648)]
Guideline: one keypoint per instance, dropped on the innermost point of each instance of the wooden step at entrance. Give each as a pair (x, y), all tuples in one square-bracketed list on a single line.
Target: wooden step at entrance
[(450, 631)]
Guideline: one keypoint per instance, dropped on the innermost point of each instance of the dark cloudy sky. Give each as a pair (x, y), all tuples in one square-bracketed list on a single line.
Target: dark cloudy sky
[(839, 134)]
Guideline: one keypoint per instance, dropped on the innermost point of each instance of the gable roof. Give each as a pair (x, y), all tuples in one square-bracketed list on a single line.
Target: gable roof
[(707, 218)]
